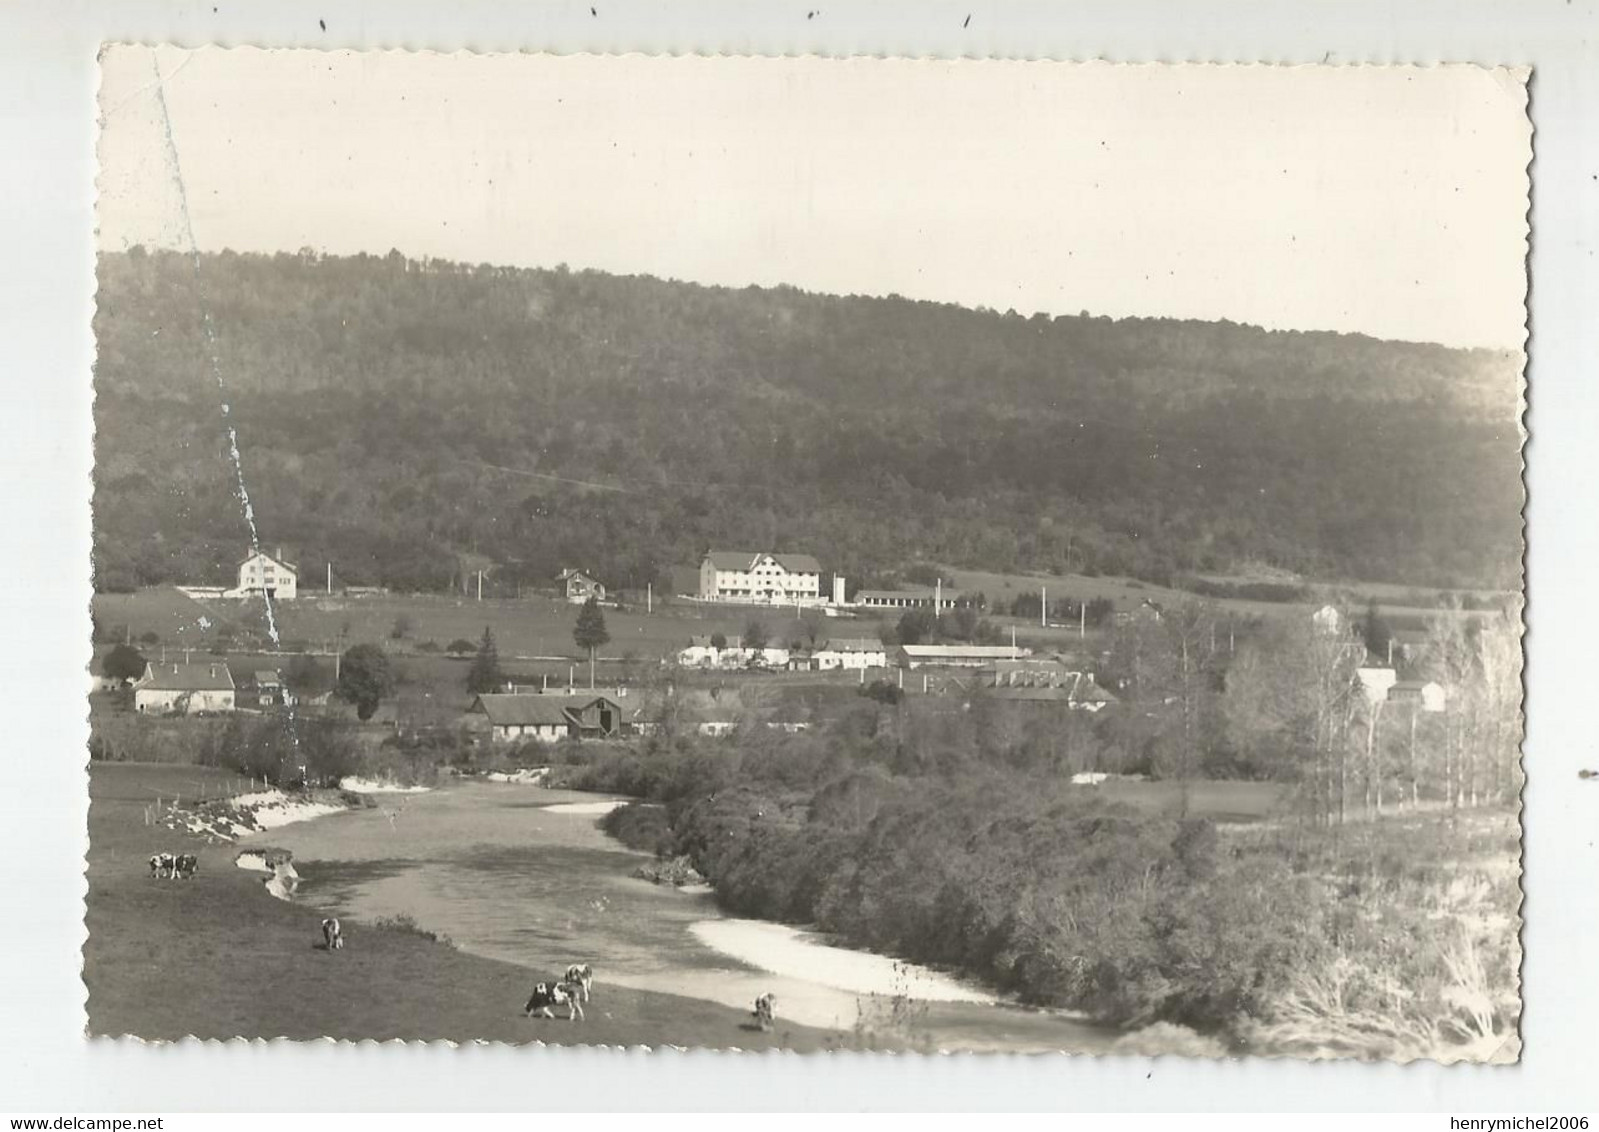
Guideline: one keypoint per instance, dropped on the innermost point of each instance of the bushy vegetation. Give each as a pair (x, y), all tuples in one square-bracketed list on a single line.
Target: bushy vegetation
[(1380, 901), (640, 825), (375, 394), (283, 750)]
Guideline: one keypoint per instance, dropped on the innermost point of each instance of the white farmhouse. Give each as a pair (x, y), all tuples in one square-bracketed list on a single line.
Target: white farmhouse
[(184, 689), (764, 578), (262, 575)]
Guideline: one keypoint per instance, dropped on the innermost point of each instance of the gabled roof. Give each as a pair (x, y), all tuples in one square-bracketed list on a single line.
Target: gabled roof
[(1077, 688), (178, 677), (989, 652), (568, 574), (851, 644), (281, 563), (701, 641), (265, 676), (508, 710), (745, 560)]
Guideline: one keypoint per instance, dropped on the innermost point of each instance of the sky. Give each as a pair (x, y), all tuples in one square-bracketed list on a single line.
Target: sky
[(1389, 201)]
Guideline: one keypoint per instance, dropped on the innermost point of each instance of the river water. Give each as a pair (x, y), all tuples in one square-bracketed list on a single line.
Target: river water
[(525, 875)]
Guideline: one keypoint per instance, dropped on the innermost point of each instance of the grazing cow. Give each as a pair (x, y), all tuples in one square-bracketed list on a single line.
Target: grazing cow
[(185, 865), (162, 864), (546, 995), (332, 934), (580, 976), (765, 1010)]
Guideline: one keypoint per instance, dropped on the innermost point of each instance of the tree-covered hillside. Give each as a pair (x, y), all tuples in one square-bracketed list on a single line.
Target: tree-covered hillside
[(399, 418)]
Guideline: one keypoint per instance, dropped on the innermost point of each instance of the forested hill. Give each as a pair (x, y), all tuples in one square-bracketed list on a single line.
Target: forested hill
[(399, 418)]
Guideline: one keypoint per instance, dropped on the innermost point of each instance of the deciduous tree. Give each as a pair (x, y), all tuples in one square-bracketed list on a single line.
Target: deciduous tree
[(124, 662), (365, 678)]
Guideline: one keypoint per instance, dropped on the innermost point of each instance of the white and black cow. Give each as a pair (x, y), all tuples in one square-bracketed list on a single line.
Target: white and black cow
[(552, 994), (580, 976), (765, 1010), (162, 864), (332, 934), (185, 865)]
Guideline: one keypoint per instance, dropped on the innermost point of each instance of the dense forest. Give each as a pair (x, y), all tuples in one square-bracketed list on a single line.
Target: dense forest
[(408, 420)]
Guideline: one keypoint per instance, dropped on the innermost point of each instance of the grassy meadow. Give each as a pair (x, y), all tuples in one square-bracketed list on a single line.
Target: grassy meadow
[(217, 957), (1394, 598), (531, 627)]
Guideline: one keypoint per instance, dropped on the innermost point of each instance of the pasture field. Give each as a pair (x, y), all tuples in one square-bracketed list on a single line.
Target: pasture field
[(1395, 598), (531, 627), (217, 957), (1219, 800)]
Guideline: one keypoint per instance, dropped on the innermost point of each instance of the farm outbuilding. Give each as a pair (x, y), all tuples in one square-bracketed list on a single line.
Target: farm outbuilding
[(173, 688), (956, 656), (265, 575), (549, 718)]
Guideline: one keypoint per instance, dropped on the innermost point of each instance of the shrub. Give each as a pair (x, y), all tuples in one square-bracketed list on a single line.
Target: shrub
[(404, 924), (640, 826)]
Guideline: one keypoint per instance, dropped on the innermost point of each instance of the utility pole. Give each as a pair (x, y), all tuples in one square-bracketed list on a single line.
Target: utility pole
[(1082, 619), (480, 585), (938, 598), (649, 597), (1043, 607), (330, 579)]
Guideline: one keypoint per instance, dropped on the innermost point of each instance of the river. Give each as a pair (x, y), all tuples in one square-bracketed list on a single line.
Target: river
[(523, 874)]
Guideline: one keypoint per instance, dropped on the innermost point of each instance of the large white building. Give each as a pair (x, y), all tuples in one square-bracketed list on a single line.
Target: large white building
[(763, 578), (262, 575)]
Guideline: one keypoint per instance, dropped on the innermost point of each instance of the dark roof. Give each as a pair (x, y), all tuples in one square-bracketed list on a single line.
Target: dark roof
[(700, 640), (1416, 686), (177, 677), (744, 559), (507, 710), (1079, 689), (852, 644)]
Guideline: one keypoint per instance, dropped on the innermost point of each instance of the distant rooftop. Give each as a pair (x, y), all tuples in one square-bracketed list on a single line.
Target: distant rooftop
[(745, 560), (171, 676)]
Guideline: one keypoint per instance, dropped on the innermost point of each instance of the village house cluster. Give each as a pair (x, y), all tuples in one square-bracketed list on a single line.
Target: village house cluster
[(518, 712)]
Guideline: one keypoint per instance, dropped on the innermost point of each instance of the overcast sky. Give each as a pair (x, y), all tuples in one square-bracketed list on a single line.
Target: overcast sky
[(1388, 201)]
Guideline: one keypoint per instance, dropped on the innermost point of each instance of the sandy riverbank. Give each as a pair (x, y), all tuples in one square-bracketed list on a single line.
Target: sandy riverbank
[(796, 954)]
